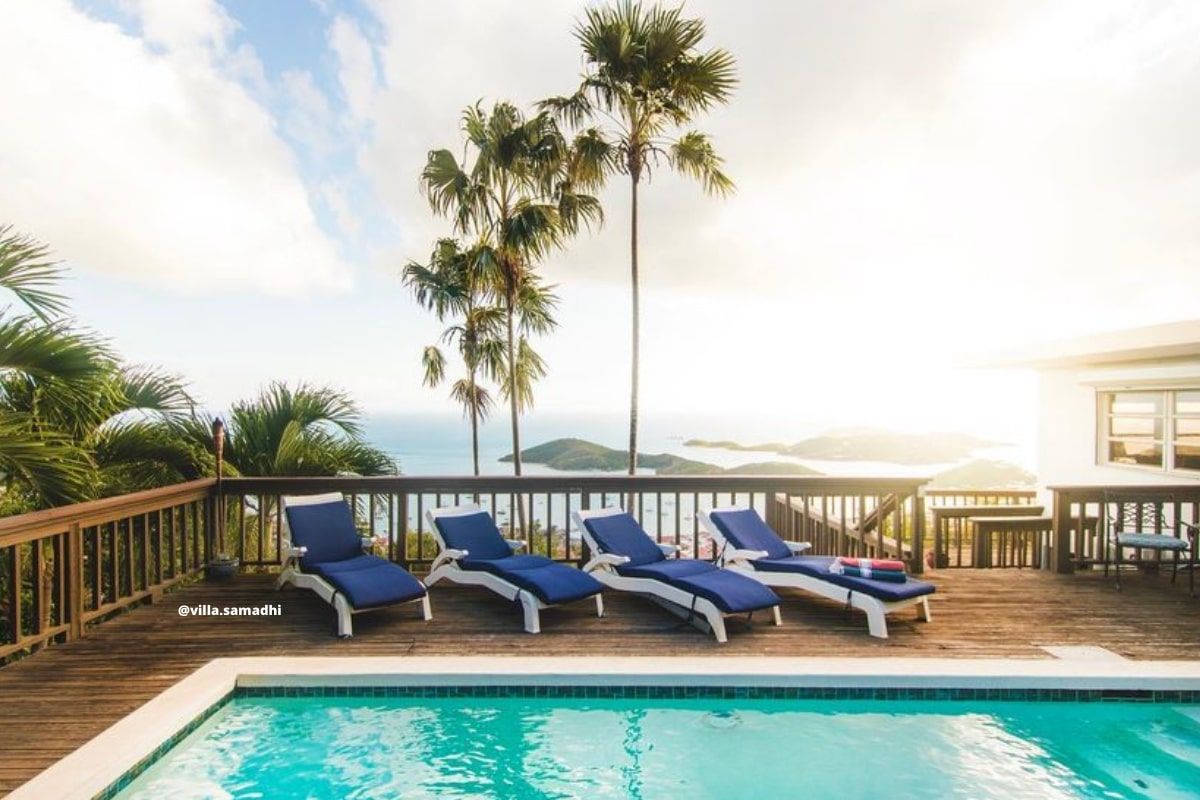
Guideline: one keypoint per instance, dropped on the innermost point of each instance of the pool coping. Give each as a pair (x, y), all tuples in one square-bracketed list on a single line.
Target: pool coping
[(106, 758)]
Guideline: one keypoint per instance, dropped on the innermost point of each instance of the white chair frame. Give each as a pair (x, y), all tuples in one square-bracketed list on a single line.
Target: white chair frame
[(446, 566), (697, 610), (740, 561), (293, 574)]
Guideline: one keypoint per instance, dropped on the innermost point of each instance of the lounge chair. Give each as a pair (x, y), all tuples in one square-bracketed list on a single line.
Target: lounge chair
[(748, 545), (625, 558), (473, 552), (323, 551)]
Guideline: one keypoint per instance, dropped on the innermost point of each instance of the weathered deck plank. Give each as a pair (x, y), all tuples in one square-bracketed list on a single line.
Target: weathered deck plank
[(56, 700)]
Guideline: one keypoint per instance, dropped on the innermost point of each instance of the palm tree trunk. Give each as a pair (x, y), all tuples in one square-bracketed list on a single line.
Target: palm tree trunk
[(636, 340), (474, 426), (513, 411)]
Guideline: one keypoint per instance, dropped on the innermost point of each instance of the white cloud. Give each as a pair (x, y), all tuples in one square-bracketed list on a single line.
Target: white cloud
[(356, 65), (196, 24), (151, 163)]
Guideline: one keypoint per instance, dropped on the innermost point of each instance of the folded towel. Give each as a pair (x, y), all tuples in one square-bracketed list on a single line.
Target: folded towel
[(873, 563), (889, 575)]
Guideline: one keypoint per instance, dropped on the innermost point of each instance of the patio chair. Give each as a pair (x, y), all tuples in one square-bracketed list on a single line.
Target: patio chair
[(1133, 521), (625, 558), (323, 552), (749, 546), (473, 552)]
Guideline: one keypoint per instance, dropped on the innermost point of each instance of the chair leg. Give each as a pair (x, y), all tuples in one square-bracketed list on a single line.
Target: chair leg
[(599, 605), (775, 615), (926, 614), (344, 617), (533, 621), (1175, 568), (426, 609), (1117, 567), (1192, 571)]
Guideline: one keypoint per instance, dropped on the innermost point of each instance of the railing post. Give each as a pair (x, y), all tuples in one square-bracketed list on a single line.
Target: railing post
[(74, 578), (1062, 532), (216, 544), (918, 547)]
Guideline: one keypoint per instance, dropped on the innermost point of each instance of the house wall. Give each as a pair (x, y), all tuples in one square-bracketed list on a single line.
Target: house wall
[(1067, 420)]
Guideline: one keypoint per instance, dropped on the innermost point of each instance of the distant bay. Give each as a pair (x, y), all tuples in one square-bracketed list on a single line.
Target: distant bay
[(439, 443)]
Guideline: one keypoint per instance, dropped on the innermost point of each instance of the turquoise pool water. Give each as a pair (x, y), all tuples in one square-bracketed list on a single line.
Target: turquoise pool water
[(636, 748)]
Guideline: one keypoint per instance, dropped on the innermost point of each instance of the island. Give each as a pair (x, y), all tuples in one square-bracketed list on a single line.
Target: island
[(579, 455), (984, 474), (866, 445)]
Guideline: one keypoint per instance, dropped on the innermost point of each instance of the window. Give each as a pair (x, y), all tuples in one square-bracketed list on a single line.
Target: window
[(1151, 429)]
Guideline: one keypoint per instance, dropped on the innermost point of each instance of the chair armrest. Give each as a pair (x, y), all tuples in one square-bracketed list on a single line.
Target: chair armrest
[(1192, 528), (292, 552), (605, 561), (668, 549), (744, 555), (447, 556), (515, 544), (798, 547)]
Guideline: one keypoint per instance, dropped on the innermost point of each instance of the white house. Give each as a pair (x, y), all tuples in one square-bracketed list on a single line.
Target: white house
[(1119, 407)]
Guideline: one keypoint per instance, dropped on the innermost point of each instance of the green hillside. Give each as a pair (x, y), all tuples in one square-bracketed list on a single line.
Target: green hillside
[(579, 455)]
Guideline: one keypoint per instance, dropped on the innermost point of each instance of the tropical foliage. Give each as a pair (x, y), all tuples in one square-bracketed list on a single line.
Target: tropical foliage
[(645, 80), (518, 193), (76, 422), (286, 430)]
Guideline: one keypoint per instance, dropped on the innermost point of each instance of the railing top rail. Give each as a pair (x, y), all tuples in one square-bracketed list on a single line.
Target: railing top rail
[(988, 492), (1189, 491), (598, 483), (110, 507)]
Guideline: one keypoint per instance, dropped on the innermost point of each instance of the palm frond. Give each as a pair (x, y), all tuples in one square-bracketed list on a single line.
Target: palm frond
[(27, 270), (694, 156), (49, 465), (434, 363)]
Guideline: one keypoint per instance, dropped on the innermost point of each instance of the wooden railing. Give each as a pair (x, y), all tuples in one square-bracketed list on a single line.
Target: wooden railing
[(877, 518), (67, 567), (392, 509), (1080, 538), (979, 497)]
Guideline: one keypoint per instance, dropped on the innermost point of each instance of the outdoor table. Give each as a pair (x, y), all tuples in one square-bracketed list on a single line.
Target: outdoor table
[(940, 517)]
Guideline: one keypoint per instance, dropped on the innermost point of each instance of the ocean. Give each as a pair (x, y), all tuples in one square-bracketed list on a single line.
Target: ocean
[(440, 443)]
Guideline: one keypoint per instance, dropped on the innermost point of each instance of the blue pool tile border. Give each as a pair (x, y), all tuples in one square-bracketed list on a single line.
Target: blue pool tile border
[(653, 693), (131, 774), (617, 692)]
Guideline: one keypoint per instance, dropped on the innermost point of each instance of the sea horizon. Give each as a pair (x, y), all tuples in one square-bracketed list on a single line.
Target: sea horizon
[(439, 443)]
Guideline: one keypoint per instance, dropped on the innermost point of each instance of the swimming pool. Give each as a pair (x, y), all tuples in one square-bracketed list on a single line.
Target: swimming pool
[(366, 742)]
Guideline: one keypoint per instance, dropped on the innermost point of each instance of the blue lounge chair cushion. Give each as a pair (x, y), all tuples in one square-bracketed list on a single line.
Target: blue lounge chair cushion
[(1152, 541), (818, 567), (666, 569), (547, 580), (326, 530), (620, 534), (727, 590), (476, 533), (744, 529), (370, 581)]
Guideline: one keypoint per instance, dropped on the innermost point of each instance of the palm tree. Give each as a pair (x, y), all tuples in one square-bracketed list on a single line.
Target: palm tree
[(286, 430), (644, 78), (450, 286), (517, 194)]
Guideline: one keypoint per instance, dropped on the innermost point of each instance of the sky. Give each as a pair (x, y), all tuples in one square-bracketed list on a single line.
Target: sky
[(234, 188)]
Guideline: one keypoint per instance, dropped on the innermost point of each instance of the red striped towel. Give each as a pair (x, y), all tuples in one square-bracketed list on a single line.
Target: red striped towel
[(873, 564)]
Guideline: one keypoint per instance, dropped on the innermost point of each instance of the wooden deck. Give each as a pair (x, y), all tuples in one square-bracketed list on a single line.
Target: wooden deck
[(56, 700)]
